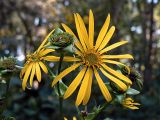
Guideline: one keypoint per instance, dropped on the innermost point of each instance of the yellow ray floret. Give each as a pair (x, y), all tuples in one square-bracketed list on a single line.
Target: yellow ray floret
[(129, 103)]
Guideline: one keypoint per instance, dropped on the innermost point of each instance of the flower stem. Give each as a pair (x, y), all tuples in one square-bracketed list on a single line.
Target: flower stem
[(100, 110), (58, 85)]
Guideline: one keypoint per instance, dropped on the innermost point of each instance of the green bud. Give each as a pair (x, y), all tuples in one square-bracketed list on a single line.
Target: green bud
[(134, 75), (7, 63), (61, 39)]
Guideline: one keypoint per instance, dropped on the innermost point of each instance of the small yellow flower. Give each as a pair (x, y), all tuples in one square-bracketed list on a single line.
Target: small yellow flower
[(35, 62), (92, 58), (129, 103)]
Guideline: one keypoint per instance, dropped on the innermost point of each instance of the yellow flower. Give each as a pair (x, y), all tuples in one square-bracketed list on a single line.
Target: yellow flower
[(92, 58), (129, 103), (35, 62)]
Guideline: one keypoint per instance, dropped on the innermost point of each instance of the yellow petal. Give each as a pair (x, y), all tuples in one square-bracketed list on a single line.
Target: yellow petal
[(65, 118), (45, 52), (117, 63), (124, 56), (45, 40), (115, 45), (74, 118), (102, 86), (83, 88), (115, 80), (70, 59), (27, 73), (91, 29), (132, 107), (44, 68), (107, 38), (65, 72), (51, 58), (38, 72), (23, 70), (79, 31), (117, 74), (72, 87), (82, 26), (32, 74), (78, 52), (77, 43), (88, 93), (102, 32)]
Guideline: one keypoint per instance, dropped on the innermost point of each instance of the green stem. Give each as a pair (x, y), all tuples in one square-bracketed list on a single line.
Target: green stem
[(58, 85), (100, 110)]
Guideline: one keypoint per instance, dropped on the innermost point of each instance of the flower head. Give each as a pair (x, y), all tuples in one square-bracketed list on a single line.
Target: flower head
[(35, 62), (129, 103), (93, 58)]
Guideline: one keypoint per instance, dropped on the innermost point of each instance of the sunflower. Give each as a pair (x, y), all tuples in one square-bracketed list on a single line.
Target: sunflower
[(35, 62), (92, 58), (129, 103)]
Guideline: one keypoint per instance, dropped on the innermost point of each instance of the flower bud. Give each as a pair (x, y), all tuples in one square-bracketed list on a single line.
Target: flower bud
[(60, 39), (7, 63)]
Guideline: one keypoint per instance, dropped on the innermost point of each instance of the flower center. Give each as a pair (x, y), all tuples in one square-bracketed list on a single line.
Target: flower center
[(91, 58), (33, 57)]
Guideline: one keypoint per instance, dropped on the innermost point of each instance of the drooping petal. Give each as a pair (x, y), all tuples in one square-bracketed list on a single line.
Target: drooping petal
[(102, 86), (27, 73), (102, 32), (77, 43), (51, 58), (107, 38), (23, 70), (88, 93), (32, 74), (38, 72), (70, 59), (123, 56), (72, 87), (117, 63), (91, 29), (79, 31), (65, 72), (45, 40), (45, 52), (115, 80), (83, 88), (117, 74), (44, 68), (115, 45)]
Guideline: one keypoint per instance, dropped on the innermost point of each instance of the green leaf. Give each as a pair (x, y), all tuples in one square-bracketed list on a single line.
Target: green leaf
[(90, 116), (139, 83), (62, 87), (132, 91), (119, 98)]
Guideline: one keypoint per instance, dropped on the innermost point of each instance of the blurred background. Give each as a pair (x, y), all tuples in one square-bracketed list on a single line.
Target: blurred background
[(25, 23)]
